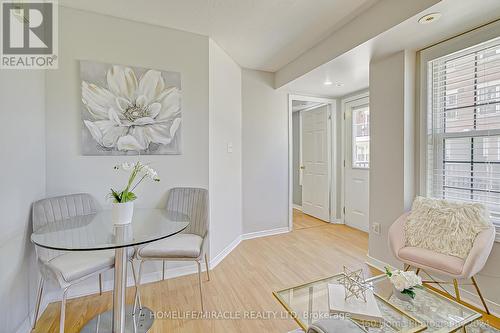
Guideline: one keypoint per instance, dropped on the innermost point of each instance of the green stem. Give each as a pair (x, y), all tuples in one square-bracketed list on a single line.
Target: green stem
[(134, 173), (133, 188)]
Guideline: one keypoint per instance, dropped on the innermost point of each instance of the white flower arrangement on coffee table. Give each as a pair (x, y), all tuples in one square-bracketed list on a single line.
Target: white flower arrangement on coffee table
[(404, 282)]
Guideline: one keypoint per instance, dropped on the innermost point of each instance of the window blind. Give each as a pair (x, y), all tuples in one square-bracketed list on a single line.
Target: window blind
[(463, 135)]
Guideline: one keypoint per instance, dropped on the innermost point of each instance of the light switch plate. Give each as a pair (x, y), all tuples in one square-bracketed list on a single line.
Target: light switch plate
[(230, 147)]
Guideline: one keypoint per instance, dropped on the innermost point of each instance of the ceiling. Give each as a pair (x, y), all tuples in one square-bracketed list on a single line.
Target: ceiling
[(257, 34), (352, 68)]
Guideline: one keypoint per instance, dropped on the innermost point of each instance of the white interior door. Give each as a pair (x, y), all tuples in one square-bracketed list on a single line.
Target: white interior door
[(316, 163), (357, 163)]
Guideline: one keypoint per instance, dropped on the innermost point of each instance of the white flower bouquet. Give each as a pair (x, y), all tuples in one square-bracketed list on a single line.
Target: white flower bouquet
[(123, 201), (404, 281), (137, 170)]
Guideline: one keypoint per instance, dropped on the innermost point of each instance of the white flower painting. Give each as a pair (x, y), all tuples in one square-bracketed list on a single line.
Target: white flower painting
[(129, 110)]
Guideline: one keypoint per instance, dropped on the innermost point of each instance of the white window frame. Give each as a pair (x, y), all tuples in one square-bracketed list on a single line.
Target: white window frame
[(458, 43), (353, 138)]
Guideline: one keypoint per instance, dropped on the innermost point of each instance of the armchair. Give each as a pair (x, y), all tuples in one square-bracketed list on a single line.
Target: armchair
[(442, 264)]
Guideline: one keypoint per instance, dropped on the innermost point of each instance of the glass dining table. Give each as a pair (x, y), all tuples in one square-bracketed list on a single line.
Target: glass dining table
[(97, 232)]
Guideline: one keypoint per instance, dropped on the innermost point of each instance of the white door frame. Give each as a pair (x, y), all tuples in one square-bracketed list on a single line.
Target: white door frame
[(332, 131), (344, 102)]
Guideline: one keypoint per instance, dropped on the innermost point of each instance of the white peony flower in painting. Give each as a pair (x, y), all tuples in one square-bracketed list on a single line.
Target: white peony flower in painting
[(132, 113)]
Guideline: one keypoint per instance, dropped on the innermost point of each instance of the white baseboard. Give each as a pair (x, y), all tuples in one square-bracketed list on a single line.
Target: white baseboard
[(470, 297), (228, 249), (474, 299), (380, 265), (170, 273), (25, 327), (87, 288), (264, 233), (297, 207)]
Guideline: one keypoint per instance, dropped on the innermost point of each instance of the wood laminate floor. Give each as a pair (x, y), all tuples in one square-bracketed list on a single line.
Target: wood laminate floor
[(241, 285), (302, 221)]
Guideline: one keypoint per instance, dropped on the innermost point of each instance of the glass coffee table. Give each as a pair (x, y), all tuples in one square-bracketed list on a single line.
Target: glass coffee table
[(428, 312)]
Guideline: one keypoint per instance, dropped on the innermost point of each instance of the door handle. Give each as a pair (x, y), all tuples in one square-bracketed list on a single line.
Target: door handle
[(302, 167)]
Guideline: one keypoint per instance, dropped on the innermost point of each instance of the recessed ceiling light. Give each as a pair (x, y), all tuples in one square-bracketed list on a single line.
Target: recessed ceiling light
[(429, 18), (328, 83), (339, 84)]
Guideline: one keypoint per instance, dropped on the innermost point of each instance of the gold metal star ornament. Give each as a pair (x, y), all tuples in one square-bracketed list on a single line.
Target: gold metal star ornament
[(354, 284)]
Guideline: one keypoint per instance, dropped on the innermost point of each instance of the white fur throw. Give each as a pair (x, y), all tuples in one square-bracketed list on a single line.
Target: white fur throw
[(445, 227)]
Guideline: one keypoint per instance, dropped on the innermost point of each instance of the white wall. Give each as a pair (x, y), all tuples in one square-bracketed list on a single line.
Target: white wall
[(225, 166), (265, 153), (392, 118), (89, 36), (22, 175)]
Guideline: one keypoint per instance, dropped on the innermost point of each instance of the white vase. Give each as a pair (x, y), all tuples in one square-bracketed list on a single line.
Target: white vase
[(121, 213), (401, 296)]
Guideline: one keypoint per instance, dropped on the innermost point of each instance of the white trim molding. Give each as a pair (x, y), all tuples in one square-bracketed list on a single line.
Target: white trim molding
[(470, 297), (333, 172), (380, 265), (297, 207), (228, 249)]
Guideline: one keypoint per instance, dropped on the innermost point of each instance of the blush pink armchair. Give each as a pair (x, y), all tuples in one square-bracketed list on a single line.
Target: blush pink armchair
[(442, 264)]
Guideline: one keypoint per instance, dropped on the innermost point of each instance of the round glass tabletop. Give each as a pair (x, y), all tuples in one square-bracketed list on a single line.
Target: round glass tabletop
[(97, 231)]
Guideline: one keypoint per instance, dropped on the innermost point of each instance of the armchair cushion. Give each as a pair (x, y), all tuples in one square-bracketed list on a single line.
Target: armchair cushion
[(75, 265), (445, 227), (426, 259), (177, 246), (431, 260)]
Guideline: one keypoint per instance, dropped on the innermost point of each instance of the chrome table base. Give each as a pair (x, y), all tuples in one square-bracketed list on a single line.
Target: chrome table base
[(141, 322)]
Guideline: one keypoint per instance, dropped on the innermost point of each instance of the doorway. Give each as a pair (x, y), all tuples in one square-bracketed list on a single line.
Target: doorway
[(311, 157), (356, 165)]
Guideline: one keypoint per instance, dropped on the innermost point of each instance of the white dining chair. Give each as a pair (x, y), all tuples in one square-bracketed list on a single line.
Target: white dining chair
[(189, 245), (67, 268)]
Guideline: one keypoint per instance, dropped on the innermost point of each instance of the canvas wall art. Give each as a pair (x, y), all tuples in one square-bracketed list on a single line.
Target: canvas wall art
[(129, 110)]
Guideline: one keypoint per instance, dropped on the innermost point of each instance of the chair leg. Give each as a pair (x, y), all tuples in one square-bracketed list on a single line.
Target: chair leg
[(163, 271), (38, 301), (63, 310), (417, 271), (199, 283), (100, 284), (457, 291), (480, 295), (206, 265), (137, 298)]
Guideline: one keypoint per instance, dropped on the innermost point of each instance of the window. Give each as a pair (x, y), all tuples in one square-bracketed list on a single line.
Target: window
[(464, 126), (361, 137)]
